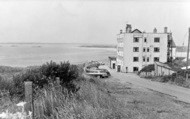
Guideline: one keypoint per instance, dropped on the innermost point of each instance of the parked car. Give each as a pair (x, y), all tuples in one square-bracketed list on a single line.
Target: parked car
[(100, 73), (105, 70)]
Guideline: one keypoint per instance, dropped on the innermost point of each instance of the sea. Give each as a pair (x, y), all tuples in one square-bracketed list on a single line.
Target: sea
[(34, 54)]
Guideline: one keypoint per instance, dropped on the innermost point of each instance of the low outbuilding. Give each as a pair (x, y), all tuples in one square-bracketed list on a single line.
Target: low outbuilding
[(162, 69), (157, 69), (112, 62)]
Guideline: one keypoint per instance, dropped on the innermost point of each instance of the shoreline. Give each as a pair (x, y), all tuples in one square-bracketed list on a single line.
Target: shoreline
[(98, 46)]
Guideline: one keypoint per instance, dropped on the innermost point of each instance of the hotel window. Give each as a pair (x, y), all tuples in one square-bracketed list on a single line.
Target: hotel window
[(135, 39), (135, 69), (156, 49), (156, 59), (157, 40), (145, 40), (136, 49), (135, 59), (144, 59), (147, 49), (147, 59), (144, 49)]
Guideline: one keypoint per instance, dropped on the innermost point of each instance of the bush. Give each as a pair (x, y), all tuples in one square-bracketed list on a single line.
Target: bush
[(7, 69), (180, 80), (65, 71), (46, 74), (166, 79), (33, 75), (5, 85), (148, 68)]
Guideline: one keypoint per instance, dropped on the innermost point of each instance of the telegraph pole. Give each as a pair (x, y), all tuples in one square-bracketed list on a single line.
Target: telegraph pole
[(187, 57)]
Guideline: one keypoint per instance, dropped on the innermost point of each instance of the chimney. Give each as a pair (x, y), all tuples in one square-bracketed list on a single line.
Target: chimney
[(155, 30), (165, 29), (121, 31), (128, 28)]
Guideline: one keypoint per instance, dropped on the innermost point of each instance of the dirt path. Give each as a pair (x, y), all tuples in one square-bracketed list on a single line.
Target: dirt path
[(180, 93), (142, 103)]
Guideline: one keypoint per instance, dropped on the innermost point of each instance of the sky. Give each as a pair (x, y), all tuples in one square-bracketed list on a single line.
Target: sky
[(94, 21)]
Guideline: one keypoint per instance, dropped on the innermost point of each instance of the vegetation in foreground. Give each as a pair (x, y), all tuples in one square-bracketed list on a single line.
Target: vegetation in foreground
[(95, 99), (75, 96)]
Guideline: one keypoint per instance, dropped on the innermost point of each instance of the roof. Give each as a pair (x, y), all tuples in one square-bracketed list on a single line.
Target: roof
[(167, 66), (173, 43), (136, 31), (163, 65), (112, 58)]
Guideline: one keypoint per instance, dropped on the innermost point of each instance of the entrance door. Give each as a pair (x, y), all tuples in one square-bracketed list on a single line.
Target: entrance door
[(135, 69), (118, 68), (126, 69), (113, 65)]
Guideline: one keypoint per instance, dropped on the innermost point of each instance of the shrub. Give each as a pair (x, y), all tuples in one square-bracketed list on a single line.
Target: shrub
[(46, 74), (7, 69), (65, 71), (180, 80), (166, 79), (33, 75), (148, 68), (5, 85)]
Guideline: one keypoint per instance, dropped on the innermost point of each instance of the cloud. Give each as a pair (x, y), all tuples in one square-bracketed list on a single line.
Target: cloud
[(88, 21)]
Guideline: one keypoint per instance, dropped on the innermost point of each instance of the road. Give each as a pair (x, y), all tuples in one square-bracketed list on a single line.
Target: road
[(180, 93)]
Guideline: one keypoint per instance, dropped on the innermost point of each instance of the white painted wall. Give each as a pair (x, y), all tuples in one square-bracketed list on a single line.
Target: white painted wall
[(113, 62), (128, 54)]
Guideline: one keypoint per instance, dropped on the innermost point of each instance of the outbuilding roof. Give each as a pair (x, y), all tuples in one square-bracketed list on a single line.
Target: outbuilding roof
[(168, 66), (173, 44), (112, 58)]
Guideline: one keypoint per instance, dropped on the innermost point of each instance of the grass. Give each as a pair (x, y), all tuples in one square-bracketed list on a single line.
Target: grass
[(7, 72), (98, 99), (92, 101), (179, 80), (142, 103)]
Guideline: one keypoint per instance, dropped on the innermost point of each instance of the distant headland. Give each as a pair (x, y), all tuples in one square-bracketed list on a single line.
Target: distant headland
[(99, 46)]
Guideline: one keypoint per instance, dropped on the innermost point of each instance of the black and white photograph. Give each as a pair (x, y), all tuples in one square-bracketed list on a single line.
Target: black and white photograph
[(94, 59)]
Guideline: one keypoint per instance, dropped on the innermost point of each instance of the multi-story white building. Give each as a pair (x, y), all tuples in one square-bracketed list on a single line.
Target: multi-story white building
[(136, 49)]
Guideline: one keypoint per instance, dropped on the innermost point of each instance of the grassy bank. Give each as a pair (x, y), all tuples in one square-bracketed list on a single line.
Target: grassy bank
[(92, 101), (76, 97), (178, 78), (97, 99)]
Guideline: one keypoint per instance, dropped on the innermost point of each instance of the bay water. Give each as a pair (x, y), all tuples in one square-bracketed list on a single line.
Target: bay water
[(23, 55)]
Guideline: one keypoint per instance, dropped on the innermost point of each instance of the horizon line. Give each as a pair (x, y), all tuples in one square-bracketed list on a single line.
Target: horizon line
[(52, 43)]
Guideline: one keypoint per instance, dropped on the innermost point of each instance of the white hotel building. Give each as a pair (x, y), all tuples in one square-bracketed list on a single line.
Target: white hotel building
[(136, 49)]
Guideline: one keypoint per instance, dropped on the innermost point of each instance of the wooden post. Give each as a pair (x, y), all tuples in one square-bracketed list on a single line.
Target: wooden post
[(57, 80), (187, 57), (58, 84), (29, 97)]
